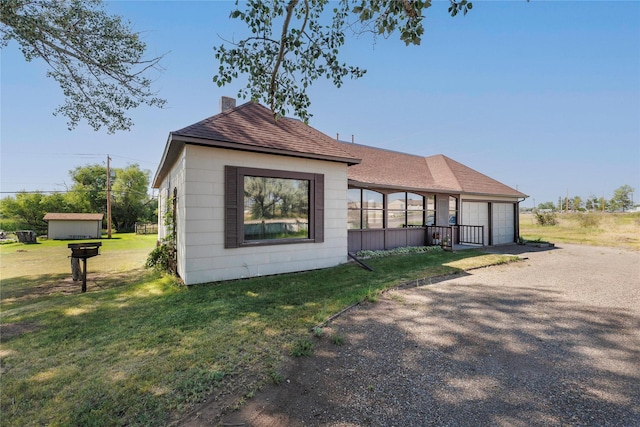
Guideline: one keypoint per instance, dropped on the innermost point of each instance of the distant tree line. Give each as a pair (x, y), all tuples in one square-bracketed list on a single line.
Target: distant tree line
[(130, 201), (621, 201)]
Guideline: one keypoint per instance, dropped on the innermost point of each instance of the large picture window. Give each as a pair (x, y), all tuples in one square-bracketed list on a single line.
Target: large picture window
[(264, 206), (275, 208)]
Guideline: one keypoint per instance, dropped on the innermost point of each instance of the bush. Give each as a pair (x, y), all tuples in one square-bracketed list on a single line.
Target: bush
[(161, 258), (546, 218), (589, 220)]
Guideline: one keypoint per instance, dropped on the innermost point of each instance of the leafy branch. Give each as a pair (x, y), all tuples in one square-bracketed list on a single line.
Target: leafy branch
[(96, 58), (280, 70)]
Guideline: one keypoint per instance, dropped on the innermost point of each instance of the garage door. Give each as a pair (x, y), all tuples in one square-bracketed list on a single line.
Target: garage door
[(476, 213), (503, 223)]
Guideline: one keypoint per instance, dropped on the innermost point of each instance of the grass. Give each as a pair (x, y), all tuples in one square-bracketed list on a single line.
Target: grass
[(139, 349), (598, 229)]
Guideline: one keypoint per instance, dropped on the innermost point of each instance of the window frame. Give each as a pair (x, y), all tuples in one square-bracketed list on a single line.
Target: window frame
[(406, 210), (234, 206)]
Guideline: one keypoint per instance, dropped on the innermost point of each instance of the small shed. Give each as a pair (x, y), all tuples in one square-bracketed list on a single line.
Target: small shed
[(70, 226)]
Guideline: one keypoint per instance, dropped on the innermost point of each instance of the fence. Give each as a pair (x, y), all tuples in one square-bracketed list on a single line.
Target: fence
[(146, 228)]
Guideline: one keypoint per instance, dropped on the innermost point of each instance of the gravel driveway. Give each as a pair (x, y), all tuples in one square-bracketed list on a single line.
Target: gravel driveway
[(553, 340)]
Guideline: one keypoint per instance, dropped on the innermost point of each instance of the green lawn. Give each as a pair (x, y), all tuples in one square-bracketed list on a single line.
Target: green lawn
[(139, 349)]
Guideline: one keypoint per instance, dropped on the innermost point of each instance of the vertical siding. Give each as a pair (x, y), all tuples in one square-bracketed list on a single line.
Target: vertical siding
[(64, 230)]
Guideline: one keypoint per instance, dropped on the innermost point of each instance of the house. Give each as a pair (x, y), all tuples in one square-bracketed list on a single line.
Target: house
[(398, 199), (70, 226), (243, 195)]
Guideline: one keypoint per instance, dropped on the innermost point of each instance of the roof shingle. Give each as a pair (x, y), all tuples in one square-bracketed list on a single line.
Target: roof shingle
[(391, 169), (73, 216), (252, 127)]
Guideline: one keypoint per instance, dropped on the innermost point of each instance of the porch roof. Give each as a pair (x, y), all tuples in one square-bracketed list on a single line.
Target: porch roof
[(391, 169)]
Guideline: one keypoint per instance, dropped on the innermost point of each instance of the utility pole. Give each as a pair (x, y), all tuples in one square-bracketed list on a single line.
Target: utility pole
[(108, 198)]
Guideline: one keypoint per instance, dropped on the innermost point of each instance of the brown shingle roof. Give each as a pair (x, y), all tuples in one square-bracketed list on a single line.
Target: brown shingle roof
[(391, 169), (252, 127), (73, 216)]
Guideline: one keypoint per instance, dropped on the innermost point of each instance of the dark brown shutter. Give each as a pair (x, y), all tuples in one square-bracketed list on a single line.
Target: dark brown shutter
[(231, 239), (318, 208)]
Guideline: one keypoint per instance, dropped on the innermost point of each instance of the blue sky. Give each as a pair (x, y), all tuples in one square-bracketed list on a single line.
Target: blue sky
[(543, 96)]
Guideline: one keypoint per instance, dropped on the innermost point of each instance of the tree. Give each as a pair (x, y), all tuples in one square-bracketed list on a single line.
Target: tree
[(576, 203), (130, 201), (89, 188), (96, 58), (29, 209), (130, 198), (547, 205), (281, 65), (594, 203), (622, 198)]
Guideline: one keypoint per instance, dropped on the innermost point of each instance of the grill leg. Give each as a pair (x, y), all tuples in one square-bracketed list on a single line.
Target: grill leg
[(84, 275)]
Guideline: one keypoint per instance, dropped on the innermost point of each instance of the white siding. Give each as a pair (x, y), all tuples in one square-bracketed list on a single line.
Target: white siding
[(72, 229), (202, 257), (174, 179)]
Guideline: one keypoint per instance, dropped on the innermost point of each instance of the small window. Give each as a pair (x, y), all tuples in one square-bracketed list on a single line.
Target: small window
[(453, 210), (354, 206), (431, 210), (365, 209), (265, 206)]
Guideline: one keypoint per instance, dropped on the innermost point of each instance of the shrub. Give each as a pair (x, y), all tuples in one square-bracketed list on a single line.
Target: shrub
[(546, 218), (589, 220), (160, 258)]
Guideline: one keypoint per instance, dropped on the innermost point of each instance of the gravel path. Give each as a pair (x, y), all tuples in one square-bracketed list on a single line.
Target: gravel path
[(550, 341)]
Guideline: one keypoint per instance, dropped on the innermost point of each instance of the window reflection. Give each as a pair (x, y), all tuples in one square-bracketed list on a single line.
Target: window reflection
[(275, 208)]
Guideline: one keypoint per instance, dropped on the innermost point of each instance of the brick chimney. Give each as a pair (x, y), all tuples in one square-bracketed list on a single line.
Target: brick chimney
[(227, 103)]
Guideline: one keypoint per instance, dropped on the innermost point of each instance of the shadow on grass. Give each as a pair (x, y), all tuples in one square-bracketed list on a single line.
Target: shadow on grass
[(26, 288), (137, 349), (470, 354)]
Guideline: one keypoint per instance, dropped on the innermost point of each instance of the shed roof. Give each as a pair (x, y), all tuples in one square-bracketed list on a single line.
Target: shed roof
[(439, 173), (73, 216), (252, 127)]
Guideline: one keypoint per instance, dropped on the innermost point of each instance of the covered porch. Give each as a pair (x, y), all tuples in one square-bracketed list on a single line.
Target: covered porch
[(452, 237)]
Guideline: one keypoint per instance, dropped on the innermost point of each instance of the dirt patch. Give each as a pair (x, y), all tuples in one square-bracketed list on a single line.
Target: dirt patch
[(63, 284), (13, 330)]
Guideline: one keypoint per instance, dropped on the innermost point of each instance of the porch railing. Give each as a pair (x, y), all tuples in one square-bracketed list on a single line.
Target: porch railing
[(438, 235), (447, 236), (471, 234)]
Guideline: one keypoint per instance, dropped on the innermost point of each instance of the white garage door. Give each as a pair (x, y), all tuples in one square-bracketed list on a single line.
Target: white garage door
[(503, 223), (476, 213)]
